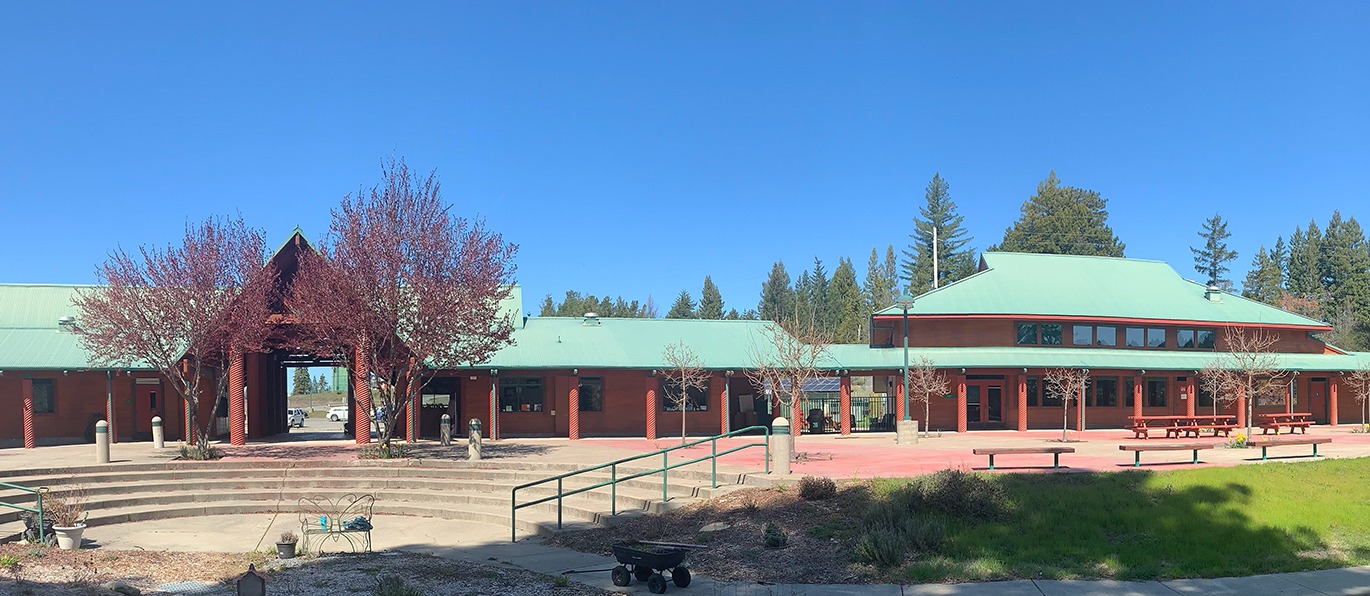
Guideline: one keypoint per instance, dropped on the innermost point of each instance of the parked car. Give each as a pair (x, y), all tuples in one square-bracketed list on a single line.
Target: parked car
[(295, 417), (337, 413)]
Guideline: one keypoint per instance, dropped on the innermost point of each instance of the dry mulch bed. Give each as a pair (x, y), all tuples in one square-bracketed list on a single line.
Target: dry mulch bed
[(814, 554), (55, 572)]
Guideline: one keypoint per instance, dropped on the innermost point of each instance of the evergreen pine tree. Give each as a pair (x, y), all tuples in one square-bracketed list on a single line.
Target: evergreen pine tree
[(1211, 259), (732, 315), (1264, 281), (300, 383), (1344, 265), (1062, 220), (1302, 277), (817, 299), (322, 385), (549, 308), (889, 269), (954, 260), (710, 301), (684, 307), (751, 315), (777, 298), (847, 304)]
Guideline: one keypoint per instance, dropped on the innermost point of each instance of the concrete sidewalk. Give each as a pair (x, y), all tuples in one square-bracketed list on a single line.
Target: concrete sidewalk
[(488, 544)]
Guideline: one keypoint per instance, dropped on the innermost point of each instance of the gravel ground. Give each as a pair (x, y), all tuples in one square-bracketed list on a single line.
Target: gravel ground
[(30, 571)]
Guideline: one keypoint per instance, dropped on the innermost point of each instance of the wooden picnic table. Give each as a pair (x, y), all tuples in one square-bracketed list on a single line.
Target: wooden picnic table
[(1291, 420), (1174, 426)]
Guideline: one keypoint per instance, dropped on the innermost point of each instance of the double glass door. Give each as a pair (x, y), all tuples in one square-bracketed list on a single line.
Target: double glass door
[(984, 403)]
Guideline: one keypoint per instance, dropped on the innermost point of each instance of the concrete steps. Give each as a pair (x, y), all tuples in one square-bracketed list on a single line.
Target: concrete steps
[(478, 492)]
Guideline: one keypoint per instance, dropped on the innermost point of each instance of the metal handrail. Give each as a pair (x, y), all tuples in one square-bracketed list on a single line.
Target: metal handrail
[(38, 496), (613, 481)]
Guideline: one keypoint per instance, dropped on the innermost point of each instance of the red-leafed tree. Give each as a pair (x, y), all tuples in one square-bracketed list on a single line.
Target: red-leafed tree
[(182, 310), (402, 286)]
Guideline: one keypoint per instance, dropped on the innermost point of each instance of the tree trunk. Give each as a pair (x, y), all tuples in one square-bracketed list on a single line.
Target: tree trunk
[(1065, 419)]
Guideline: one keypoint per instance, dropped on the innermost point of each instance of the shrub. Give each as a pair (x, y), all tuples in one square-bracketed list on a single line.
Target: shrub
[(774, 537), (203, 452), (382, 451), (960, 494), (817, 488), (882, 548), (67, 508), (288, 537), (394, 585), (925, 534), (561, 581)]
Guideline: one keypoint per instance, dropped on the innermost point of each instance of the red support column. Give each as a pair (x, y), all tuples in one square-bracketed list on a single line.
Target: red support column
[(109, 407), (725, 406), (27, 389), (652, 407), (573, 406), (844, 403), (1137, 396), (796, 423), (1190, 396), (1080, 411), (1241, 408), (1289, 395), (493, 431), (411, 413), (1332, 401), (361, 391), (899, 401), (237, 404), (961, 404), (1022, 403)]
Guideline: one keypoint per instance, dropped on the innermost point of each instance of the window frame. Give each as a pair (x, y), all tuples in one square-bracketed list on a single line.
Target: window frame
[(1164, 340), (1075, 335), (1148, 395), (50, 395), (512, 388), (1113, 334), (666, 401), (1033, 386), (581, 394), (1141, 338), (1042, 334), (1212, 339), (1019, 328), (1094, 392)]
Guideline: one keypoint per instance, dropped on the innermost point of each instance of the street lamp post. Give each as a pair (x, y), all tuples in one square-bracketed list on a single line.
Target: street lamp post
[(905, 433)]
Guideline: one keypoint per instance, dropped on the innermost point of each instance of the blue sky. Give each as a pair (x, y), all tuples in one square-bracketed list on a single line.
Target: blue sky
[(633, 148)]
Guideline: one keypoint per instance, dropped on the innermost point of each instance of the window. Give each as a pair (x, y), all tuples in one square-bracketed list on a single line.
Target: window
[(697, 399), (44, 396), (1104, 392), (1135, 337), (1047, 398), (1128, 390), (436, 400), (1105, 335), (591, 394), (1155, 337), (1206, 339), (520, 394), (1027, 334), (1156, 391), (1184, 338), (1051, 334), (1033, 388), (1082, 335), (1205, 398)]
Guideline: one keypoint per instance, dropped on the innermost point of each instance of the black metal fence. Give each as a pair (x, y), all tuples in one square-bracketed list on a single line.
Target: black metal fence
[(868, 414)]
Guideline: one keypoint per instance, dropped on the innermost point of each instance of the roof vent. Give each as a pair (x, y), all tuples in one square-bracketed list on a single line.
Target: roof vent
[(591, 320), (66, 322), (1213, 293)]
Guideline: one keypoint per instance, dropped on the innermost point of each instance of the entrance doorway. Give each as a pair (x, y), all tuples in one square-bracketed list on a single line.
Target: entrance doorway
[(985, 403), (147, 402), (1317, 399)]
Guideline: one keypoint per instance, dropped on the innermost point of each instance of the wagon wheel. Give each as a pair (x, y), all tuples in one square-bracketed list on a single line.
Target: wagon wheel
[(642, 573), (621, 576), (680, 576), (656, 584)]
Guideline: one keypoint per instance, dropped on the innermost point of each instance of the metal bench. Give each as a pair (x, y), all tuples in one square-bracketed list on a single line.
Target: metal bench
[(1288, 440), (347, 518), (1054, 451), (1138, 449)]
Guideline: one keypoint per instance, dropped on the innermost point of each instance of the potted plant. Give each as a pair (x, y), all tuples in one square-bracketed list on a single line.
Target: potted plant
[(285, 547), (67, 510)]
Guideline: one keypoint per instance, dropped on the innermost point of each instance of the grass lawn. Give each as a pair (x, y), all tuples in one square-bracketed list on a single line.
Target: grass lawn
[(1206, 522)]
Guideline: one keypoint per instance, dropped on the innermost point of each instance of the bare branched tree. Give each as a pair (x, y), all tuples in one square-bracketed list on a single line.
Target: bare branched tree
[(1066, 384), (783, 359), (1359, 383), (183, 310), (925, 382), (1252, 359), (685, 373), (1220, 383), (403, 285)]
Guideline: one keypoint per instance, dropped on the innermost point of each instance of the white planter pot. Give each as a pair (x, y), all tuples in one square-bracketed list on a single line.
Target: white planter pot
[(69, 538)]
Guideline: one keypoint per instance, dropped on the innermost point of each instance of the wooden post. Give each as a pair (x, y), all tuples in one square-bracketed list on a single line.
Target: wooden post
[(1022, 403), (651, 406), (725, 409), (1137, 396), (1190, 396), (1332, 385), (1241, 408), (961, 404), (573, 407), (899, 401), (26, 387), (844, 403)]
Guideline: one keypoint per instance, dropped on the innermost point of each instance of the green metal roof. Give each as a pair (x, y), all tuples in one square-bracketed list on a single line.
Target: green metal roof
[(860, 357), (1041, 285), (30, 336), (571, 342)]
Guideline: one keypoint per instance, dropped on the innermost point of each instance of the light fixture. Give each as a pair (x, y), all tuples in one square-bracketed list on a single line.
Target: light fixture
[(905, 302)]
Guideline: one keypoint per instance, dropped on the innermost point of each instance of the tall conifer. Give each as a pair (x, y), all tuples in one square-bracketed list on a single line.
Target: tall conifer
[(1212, 258), (1063, 220), (710, 301), (955, 260), (777, 297)]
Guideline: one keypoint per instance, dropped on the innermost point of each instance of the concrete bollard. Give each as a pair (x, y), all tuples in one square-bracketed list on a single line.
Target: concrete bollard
[(906, 432), (158, 437), (782, 447), (102, 442), (445, 430), (473, 445)]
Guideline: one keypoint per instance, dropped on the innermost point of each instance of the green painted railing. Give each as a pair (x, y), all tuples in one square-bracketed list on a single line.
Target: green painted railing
[(614, 479), (38, 497)]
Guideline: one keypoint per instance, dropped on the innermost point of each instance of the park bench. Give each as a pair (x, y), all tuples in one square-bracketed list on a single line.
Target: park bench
[(347, 518), (1138, 449), (1290, 440), (1054, 451)]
